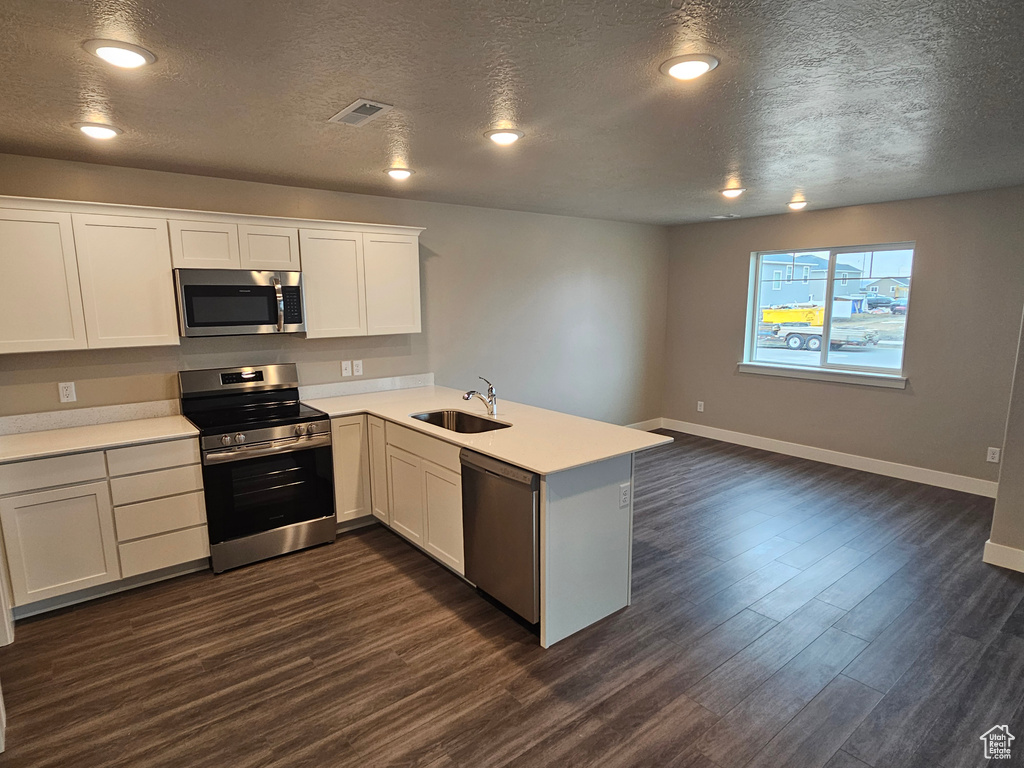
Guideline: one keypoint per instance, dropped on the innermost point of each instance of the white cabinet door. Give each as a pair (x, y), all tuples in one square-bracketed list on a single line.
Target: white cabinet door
[(378, 470), (127, 282), (204, 245), (59, 541), (42, 301), (392, 274), (351, 451), (405, 493), (268, 248), (442, 502), (332, 282)]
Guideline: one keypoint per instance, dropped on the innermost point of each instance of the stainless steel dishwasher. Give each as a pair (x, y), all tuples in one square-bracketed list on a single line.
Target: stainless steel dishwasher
[(501, 526)]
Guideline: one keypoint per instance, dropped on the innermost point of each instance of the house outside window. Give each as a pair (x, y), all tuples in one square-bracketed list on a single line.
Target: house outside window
[(829, 321), (789, 274)]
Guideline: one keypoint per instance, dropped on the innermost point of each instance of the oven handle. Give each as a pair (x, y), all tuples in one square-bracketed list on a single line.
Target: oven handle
[(280, 303), (266, 449)]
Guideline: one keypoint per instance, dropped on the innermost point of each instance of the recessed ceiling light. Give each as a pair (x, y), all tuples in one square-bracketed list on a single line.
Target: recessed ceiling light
[(798, 205), (398, 174), (124, 55), (726, 216), (98, 130), (735, 192), (690, 66), (504, 136)]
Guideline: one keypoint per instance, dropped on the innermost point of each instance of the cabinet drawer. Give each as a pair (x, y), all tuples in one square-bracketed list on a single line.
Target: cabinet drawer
[(149, 518), (153, 485), (426, 447), (47, 473), (158, 552), (146, 458)]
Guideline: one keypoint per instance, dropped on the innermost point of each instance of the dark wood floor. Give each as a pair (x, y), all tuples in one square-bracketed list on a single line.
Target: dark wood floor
[(785, 613)]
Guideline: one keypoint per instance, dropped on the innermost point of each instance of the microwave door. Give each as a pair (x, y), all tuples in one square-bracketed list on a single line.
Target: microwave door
[(218, 310)]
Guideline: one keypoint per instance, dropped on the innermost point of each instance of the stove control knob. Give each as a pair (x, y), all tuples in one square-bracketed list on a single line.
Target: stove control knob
[(225, 440), (239, 438), (310, 429), (299, 431)]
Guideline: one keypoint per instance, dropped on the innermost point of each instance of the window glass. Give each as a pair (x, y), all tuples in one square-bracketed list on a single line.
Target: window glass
[(847, 310)]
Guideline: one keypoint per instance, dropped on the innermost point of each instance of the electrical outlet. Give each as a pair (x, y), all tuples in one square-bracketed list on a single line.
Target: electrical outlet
[(66, 390), (346, 367), (993, 455), (700, 406), (623, 495), (357, 367)]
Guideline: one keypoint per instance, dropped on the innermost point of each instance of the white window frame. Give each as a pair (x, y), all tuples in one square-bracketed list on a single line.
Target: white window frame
[(777, 280), (807, 275), (824, 370), (789, 274), (845, 278)]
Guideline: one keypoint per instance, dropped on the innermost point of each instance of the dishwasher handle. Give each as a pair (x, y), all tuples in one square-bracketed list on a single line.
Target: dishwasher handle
[(510, 472)]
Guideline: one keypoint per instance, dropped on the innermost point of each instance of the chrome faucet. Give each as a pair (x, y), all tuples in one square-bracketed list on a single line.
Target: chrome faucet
[(490, 400)]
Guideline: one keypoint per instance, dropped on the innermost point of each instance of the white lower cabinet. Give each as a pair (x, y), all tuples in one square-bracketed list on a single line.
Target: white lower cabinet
[(442, 505), (425, 497), (378, 469), (59, 541), (405, 493), (351, 453), (160, 511)]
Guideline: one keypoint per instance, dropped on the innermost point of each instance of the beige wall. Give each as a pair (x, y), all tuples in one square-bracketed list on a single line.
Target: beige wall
[(961, 332), (1008, 520), (560, 312)]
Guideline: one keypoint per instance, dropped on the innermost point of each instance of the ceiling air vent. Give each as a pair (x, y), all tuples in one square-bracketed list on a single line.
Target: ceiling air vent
[(359, 113)]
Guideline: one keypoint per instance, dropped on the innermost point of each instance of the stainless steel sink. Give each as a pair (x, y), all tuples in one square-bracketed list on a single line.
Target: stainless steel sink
[(460, 421)]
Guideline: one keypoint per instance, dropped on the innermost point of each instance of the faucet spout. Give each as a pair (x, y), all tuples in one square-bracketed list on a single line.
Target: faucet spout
[(490, 400)]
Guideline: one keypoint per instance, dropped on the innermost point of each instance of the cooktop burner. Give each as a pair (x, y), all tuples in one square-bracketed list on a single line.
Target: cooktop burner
[(271, 415), (225, 400)]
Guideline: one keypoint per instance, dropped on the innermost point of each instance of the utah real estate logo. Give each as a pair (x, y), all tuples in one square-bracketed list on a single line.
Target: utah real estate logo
[(997, 742)]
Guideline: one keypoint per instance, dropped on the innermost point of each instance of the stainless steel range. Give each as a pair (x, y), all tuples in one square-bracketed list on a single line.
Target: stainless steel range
[(267, 469)]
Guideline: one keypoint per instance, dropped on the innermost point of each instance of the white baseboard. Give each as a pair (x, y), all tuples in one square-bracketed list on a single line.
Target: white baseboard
[(865, 464), (123, 585), (1003, 556), (647, 426)]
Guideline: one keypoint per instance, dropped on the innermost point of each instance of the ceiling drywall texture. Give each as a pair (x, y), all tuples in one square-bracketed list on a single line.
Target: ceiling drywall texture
[(843, 101)]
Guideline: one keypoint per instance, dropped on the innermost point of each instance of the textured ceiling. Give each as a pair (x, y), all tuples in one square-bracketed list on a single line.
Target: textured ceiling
[(844, 101)]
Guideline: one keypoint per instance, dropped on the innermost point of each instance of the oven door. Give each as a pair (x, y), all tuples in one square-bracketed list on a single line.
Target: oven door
[(215, 302), (260, 488)]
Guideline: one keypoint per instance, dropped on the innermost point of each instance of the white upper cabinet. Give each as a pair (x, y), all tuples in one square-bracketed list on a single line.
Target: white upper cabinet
[(392, 275), (42, 300), (127, 284), (204, 245), (268, 248), (332, 281)]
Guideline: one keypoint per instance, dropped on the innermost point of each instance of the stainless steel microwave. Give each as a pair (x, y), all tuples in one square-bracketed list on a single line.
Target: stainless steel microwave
[(230, 302)]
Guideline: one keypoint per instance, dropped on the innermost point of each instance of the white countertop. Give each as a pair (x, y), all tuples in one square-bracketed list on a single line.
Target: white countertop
[(95, 437), (540, 440)]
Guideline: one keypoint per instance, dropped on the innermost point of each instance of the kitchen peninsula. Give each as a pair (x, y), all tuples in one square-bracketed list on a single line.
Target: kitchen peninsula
[(585, 468)]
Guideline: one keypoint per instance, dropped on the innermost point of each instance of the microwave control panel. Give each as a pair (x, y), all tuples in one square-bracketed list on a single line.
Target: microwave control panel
[(292, 305)]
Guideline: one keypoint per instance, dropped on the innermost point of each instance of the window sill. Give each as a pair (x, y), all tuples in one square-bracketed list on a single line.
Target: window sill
[(887, 380)]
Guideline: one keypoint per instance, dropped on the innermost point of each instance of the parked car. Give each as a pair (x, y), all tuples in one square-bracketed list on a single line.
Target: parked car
[(898, 307), (874, 302)]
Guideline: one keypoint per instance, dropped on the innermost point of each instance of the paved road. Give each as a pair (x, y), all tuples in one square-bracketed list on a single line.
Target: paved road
[(876, 357)]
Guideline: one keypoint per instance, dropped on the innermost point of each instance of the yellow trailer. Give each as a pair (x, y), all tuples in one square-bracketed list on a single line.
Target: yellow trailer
[(810, 315)]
